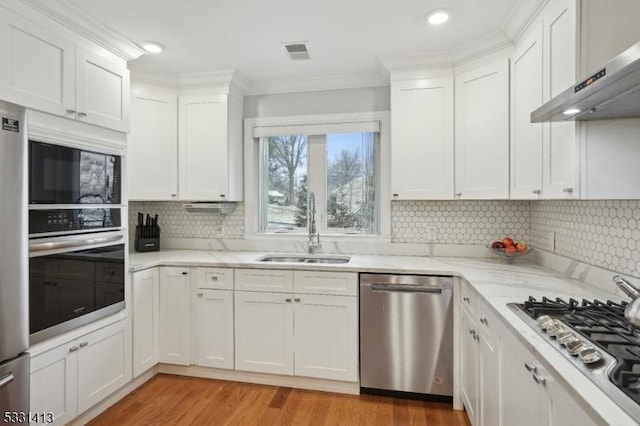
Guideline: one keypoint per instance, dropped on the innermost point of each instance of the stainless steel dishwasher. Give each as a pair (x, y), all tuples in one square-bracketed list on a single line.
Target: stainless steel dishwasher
[(406, 334)]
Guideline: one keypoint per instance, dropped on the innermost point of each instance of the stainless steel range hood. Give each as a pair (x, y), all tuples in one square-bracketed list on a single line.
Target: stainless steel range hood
[(612, 91), (213, 207)]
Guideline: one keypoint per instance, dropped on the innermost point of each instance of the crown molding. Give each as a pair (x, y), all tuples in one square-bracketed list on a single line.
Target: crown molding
[(448, 59), (317, 83), (164, 80), (203, 80), (72, 16), (522, 14)]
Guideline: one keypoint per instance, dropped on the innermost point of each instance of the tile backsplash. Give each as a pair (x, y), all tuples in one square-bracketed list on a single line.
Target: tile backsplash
[(176, 222), (600, 233), (459, 222)]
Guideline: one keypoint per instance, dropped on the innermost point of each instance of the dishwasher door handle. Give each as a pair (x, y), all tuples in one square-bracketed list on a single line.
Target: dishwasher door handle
[(385, 288)]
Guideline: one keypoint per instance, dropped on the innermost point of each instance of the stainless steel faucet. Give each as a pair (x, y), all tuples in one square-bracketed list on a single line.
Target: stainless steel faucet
[(314, 236)]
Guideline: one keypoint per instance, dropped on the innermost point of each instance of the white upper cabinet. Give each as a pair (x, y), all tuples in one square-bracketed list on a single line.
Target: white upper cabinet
[(544, 156), (482, 132), (46, 72), (526, 137), (422, 139), (153, 144), (560, 143), (210, 148), (27, 50), (102, 91)]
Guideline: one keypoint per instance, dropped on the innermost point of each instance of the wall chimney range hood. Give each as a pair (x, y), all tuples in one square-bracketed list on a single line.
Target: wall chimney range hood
[(612, 91)]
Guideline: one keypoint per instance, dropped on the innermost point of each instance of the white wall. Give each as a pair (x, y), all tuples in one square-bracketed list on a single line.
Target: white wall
[(320, 102)]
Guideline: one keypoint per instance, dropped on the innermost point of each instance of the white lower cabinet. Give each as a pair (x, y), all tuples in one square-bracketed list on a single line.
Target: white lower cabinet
[(504, 383), (145, 312), (326, 337), (301, 334), (173, 320), (214, 328), (71, 378), (264, 332)]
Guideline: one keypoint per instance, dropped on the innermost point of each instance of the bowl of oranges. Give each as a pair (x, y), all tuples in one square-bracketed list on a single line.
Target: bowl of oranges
[(509, 250)]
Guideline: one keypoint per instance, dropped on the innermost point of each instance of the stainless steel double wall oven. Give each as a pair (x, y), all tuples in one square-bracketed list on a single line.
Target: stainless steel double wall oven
[(76, 239)]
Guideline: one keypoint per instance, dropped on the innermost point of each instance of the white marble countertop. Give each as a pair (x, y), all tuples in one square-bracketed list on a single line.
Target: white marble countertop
[(496, 282)]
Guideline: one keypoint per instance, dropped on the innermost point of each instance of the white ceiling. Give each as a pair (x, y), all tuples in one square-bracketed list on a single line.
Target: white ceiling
[(345, 37)]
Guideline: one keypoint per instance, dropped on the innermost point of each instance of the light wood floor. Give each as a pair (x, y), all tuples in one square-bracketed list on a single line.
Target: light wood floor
[(176, 400)]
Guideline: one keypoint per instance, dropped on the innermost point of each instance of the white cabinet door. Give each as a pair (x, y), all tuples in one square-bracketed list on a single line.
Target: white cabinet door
[(214, 335), (469, 366), (102, 91), (146, 298), (526, 137), (482, 133), (271, 280), (104, 364), (264, 332), (488, 402), (153, 144), (560, 144), (54, 383), (203, 148), (521, 401), (173, 326), (37, 66), (326, 337), (422, 139), (323, 282)]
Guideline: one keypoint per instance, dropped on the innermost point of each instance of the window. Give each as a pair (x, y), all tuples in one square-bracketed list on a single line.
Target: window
[(342, 158), (339, 168)]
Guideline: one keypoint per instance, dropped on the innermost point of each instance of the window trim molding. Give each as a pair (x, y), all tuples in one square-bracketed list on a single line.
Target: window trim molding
[(251, 171)]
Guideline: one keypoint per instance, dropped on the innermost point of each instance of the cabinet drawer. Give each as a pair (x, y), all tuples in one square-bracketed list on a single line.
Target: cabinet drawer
[(215, 278), (468, 298), (264, 280), (316, 282)]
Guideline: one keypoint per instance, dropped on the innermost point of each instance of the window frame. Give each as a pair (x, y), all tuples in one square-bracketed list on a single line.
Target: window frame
[(252, 174)]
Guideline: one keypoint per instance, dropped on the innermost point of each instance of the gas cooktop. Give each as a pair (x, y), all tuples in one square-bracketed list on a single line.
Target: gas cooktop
[(596, 338)]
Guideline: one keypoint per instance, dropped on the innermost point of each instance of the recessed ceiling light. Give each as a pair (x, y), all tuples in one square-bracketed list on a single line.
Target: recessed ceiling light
[(152, 46), (437, 17), (571, 111)]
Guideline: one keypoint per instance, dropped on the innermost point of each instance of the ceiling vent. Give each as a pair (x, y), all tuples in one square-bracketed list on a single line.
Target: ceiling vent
[(297, 51)]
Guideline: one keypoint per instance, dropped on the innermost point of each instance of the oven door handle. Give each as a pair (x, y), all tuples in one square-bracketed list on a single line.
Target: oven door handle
[(74, 242)]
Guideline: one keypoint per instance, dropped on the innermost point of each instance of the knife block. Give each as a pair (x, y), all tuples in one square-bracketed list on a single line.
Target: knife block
[(146, 244)]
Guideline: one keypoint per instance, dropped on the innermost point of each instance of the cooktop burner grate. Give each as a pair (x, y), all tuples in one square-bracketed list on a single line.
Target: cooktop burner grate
[(603, 324)]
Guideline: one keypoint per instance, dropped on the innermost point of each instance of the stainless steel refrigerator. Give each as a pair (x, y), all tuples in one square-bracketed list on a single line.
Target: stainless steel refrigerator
[(14, 299)]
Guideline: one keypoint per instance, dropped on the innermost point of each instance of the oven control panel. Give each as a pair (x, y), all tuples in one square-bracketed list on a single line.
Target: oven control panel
[(62, 221)]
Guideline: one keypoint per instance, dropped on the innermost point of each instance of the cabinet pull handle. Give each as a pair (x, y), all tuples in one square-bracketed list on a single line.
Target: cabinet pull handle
[(185, 273), (530, 367), (484, 321), (458, 194), (541, 380), (83, 344), (466, 299), (537, 191), (297, 299), (214, 278), (477, 337), (568, 190), (73, 348), (288, 299), (222, 195), (395, 195), (199, 294), (82, 114), (71, 111), (174, 195)]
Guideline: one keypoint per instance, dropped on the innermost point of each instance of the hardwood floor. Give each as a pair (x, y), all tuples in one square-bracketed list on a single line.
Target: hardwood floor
[(176, 400)]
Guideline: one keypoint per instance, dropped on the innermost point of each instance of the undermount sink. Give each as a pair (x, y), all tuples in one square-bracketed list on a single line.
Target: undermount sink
[(305, 259)]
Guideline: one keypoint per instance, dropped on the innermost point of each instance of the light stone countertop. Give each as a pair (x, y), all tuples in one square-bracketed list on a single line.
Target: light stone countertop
[(496, 282)]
